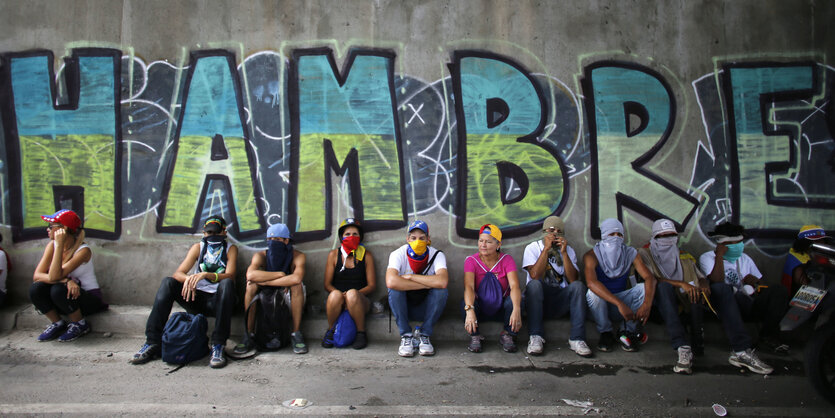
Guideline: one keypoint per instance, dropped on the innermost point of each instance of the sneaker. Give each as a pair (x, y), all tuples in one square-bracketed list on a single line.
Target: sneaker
[(628, 342), (507, 343), (685, 360), (147, 353), (299, 347), (641, 337), (52, 331), (425, 347), (535, 345), (750, 360), (607, 341), (580, 347), (406, 348), (244, 350), (775, 346), (327, 340), (218, 359), (475, 343), (361, 341), (74, 330)]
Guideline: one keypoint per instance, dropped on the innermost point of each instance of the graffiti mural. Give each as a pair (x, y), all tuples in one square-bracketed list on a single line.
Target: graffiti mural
[(292, 138)]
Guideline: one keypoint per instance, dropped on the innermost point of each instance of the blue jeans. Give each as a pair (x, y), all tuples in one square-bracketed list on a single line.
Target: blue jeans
[(724, 300), (560, 301), (666, 301), (503, 314), (428, 311), (604, 312)]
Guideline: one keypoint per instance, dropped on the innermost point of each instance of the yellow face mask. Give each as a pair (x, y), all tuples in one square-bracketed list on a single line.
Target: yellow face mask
[(419, 246)]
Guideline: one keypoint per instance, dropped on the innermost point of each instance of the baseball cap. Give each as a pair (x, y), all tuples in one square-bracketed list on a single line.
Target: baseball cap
[(214, 224), (491, 230), (278, 231), (418, 224), (64, 217), (663, 226), (813, 232)]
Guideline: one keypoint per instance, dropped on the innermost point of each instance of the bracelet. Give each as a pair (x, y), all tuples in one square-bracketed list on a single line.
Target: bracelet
[(216, 278)]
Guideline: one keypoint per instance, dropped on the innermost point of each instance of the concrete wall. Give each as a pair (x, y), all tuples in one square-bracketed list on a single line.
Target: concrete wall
[(457, 112)]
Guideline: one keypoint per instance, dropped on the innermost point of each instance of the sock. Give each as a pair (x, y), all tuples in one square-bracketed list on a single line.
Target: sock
[(59, 323)]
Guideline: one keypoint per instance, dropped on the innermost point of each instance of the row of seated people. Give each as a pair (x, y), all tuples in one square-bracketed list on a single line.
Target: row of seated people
[(417, 279)]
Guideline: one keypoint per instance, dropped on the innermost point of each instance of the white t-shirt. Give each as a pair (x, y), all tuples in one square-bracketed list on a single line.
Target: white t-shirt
[(5, 271), (734, 272), (399, 261), (532, 252)]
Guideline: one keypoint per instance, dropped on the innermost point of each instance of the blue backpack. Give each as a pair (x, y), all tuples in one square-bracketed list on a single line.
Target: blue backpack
[(489, 292), (345, 330), (184, 338)]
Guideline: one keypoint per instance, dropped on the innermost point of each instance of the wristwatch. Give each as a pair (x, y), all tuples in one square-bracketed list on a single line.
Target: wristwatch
[(467, 307)]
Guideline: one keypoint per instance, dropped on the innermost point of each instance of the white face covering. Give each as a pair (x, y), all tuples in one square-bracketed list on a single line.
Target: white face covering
[(666, 255), (613, 257)]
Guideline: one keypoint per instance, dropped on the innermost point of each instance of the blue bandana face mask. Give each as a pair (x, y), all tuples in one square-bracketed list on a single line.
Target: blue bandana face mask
[(734, 252)]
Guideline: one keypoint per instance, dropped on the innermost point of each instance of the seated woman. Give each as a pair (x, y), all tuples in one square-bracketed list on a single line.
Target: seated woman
[(794, 275), (476, 267), (349, 279), (64, 281)]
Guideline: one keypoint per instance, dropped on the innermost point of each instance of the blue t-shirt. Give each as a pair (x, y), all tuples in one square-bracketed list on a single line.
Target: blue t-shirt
[(614, 284)]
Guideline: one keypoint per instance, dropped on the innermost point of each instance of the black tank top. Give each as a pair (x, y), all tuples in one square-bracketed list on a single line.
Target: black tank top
[(354, 278)]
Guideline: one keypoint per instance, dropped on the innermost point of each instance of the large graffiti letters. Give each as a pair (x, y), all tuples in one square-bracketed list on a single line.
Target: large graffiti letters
[(348, 117), (212, 145), (63, 152), (631, 112), (505, 176)]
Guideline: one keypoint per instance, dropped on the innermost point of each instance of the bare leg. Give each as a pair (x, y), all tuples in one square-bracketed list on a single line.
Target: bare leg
[(334, 307), (53, 316), (76, 316), (297, 305), (251, 291), (357, 307)]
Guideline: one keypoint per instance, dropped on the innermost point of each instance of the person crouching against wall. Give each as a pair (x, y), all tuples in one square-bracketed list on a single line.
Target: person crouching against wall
[(64, 282), (485, 266)]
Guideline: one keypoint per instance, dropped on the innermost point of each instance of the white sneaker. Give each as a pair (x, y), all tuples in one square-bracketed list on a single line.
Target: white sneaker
[(535, 345), (580, 347), (406, 349), (425, 347), (685, 360), (750, 360)]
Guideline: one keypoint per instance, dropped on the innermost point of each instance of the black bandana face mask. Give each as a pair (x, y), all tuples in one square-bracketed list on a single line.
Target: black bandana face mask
[(279, 256)]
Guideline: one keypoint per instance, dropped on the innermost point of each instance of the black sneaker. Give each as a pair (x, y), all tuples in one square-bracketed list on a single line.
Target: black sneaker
[(147, 353), (327, 341), (628, 341), (607, 342), (299, 347), (244, 350), (361, 341), (218, 359), (698, 342)]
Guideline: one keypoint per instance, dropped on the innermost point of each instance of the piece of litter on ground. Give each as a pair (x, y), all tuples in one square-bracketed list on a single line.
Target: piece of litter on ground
[(298, 403), (579, 404), (351, 407), (719, 410), (109, 354), (107, 334)]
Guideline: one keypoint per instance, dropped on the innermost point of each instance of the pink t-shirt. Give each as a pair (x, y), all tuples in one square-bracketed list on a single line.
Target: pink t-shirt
[(505, 265)]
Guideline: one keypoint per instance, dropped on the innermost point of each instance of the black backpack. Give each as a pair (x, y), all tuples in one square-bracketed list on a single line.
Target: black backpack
[(272, 319), (184, 338)]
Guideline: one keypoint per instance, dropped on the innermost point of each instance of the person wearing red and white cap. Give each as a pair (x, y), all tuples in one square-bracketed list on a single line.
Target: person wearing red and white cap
[(64, 282)]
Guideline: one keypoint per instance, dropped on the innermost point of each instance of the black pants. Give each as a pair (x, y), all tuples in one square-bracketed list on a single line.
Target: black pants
[(768, 306), (219, 305), (53, 296)]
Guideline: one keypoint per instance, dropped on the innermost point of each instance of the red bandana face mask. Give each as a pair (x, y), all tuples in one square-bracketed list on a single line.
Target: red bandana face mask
[(350, 243)]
